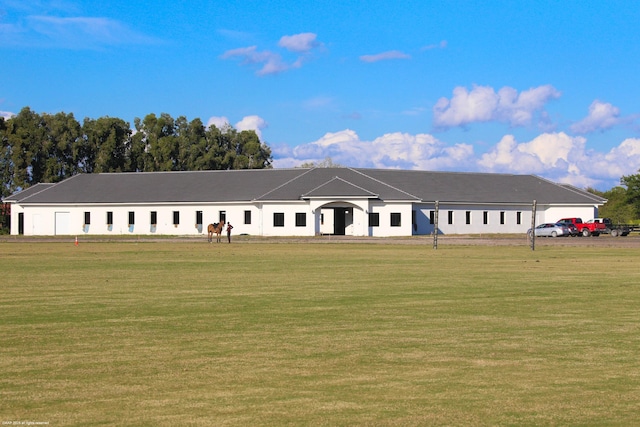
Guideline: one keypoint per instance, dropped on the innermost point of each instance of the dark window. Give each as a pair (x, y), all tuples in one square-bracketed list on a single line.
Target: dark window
[(485, 217), (468, 217), (87, 218), (518, 218), (301, 219), (109, 218), (132, 217), (278, 219), (247, 217), (176, 217), (395, 219), (502, 217), (223, 216), (154, 218), (450, 217), (198, 217), (321, 219), (374, 219), (432, 217)]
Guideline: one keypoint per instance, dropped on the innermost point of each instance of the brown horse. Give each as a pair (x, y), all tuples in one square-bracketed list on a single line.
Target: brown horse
[(216, 228)]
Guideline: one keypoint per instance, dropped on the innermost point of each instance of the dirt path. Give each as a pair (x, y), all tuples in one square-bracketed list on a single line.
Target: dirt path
[(631, 241)]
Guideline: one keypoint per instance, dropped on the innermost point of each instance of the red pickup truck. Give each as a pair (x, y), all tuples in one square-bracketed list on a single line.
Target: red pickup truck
[(585, 228)]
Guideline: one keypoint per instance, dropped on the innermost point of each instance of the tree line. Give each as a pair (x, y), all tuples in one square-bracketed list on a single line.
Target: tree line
[(51, 147), (623, 202)]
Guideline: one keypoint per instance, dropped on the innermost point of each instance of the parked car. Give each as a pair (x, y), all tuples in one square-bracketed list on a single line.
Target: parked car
[(551, 229), (586, 229), (573, 230)]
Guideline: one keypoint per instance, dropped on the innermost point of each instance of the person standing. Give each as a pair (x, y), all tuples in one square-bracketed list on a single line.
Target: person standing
[(229, 228)]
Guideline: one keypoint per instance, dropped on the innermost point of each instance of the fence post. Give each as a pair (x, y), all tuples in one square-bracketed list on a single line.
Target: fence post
[(533, 226), (435, 225)]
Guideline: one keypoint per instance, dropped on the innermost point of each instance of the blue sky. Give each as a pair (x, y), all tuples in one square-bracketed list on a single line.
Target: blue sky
[(546, 87)]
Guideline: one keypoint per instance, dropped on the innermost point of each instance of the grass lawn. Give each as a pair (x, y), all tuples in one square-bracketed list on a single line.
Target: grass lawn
[(190, 333)]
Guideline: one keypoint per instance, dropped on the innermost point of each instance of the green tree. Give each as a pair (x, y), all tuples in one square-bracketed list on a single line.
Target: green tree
[(106, 145), (616, 207), (59, 152), (6, 164), (157, 143), (26, 133), (632, 183), (250, 153), (326, 163), (48, 148)]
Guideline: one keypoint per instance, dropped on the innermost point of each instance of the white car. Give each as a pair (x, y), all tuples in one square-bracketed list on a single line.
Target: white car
[(550, 229)]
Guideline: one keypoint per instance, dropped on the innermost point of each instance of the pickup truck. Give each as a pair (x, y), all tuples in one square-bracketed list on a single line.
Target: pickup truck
[(614, 229), (586, 229)]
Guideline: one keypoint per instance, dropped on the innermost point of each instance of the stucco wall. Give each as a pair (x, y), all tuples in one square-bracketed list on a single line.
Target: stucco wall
[(473, 219), (70, 220)]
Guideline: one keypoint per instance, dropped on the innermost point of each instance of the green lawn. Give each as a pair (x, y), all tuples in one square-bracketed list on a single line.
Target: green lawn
[(190, 333)]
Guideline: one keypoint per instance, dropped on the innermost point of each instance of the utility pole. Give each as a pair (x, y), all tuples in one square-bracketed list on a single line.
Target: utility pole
[(435, 225), (533, 226)]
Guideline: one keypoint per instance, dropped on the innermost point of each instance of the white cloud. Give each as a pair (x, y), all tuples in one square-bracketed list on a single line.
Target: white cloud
[(483, 104), (393, 150), (602, 116), (441, 45), (620, 160), (255, 123), (385, 56), (303, 42), (273, 63), (75, 32), (546, 152), (219, 122), (556, 156), (6, 114)]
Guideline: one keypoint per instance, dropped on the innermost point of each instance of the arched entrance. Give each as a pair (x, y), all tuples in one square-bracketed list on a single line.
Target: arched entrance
[(340, 219)]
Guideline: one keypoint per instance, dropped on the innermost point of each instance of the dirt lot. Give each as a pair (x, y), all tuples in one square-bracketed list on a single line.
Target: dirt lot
[(631, 241)]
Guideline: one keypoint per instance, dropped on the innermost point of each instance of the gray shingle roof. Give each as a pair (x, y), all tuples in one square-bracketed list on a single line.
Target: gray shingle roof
[(481, 187), (28, 192), (339, 186), (296, 184)]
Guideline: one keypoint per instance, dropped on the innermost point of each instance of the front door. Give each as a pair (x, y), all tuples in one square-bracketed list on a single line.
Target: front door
[(339, 221)]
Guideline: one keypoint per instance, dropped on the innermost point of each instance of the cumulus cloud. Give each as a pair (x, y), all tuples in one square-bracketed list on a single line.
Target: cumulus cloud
[(385, 56), (546, 152), (602, 116), (272, 62), (563, 158), (6, 114), (393, 150), (218, 121), (303, 42), (484, 104), (556, 156), (255, 123), (620, 160)]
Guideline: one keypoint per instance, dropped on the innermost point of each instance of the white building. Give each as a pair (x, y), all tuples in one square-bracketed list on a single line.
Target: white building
[(295, 202)]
